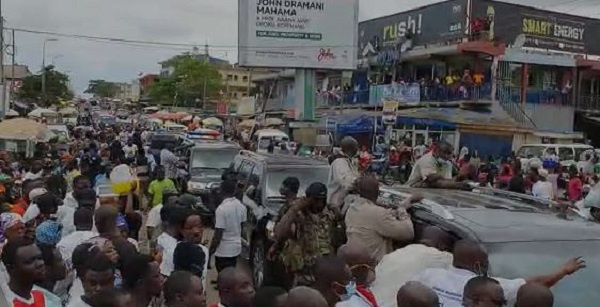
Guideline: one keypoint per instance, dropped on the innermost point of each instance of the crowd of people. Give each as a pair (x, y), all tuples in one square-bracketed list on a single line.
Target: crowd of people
[(63, 243)]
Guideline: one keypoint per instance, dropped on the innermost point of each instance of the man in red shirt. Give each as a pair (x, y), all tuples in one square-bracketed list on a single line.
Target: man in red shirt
[(394, 157)]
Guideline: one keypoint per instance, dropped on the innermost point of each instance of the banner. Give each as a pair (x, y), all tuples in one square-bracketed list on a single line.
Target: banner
[(390, 108), (403, 93), (298, 33)]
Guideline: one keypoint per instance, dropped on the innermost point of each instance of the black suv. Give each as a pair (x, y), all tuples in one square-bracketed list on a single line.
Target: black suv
[(206, 162), (259, 177), (522, 235)]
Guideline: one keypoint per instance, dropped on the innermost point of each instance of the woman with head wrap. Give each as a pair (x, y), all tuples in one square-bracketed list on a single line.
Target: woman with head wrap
[(11, 227), (124, 229), (47, 235)]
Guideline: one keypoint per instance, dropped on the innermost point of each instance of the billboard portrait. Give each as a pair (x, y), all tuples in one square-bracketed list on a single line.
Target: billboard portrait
[(319, 34)]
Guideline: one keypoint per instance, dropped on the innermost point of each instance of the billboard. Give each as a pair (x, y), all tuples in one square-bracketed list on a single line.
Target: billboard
[(437, 23), (298, 33), (519, 25)]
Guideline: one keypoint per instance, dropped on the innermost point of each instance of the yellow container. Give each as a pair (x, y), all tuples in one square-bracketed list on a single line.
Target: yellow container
[(124, 187)]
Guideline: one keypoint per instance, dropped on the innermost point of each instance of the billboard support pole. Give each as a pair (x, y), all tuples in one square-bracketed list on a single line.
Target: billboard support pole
[(305, 84)]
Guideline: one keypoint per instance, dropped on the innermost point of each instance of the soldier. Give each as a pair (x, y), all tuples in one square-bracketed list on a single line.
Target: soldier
[(305, 233)]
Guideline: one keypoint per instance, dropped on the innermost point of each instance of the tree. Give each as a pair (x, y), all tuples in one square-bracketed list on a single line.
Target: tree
[(191, 79), (57, 87), (101, 88)]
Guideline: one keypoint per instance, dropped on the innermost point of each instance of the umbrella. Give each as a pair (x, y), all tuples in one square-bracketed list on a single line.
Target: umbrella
[(41, 111), (247, 123), (24, 129), (68, 111), (153, 109), (273, 122), (213, 121)]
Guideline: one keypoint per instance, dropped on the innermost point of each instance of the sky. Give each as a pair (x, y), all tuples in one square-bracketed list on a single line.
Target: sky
[(193, 22)]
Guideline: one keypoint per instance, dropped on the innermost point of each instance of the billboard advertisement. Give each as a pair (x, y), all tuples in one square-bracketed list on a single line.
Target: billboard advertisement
[(519, 25), (319, 34), (438, 23)]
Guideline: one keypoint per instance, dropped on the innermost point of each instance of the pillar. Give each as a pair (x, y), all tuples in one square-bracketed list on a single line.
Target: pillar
[(524, 81), (305, 88)]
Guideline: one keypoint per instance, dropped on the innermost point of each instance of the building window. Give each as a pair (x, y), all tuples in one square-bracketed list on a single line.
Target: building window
[(235, 78), (229, 77), (245, 78)]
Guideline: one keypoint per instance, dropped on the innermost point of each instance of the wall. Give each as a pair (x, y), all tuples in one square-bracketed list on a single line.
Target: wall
[(548, 117)]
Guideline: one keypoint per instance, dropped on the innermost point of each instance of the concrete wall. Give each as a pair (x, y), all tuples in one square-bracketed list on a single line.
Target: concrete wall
[(551, 117)]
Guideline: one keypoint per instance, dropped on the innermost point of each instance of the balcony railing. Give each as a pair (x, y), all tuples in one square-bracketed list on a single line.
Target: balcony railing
[(588, 103)]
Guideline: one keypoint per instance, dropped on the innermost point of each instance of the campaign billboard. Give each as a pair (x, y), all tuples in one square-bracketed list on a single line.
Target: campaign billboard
[(319, 34), (438, 23), (525, 26)]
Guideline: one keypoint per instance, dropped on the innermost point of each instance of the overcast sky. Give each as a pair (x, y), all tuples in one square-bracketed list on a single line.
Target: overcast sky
[(174, 21)]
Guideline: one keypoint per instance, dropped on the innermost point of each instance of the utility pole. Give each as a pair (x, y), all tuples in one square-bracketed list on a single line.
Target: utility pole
[(2, 78), (12, 73)]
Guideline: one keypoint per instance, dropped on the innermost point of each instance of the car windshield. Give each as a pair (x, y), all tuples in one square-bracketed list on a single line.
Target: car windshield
[(213, 158), (160, 142), (529, 259), (306, 176), (531, 151)]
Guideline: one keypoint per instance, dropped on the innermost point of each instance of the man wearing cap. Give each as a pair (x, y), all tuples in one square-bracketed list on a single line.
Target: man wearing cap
[(305, 233)]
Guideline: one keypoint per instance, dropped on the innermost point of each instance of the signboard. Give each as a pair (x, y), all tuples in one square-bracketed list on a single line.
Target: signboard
[(298, 34), (386, 37), (404, 93), (529, 27), (389, 112)]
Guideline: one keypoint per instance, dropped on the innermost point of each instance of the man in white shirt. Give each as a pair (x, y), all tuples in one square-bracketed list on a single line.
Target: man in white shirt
[(419, 151), (541, 188), (226, 244), (130, 150), (168, 239), (398, 267), (471, 260), (342, 174), (434, 170)]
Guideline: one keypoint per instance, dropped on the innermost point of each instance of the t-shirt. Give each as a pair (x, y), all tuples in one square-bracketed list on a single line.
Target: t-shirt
[(64, 216), (77, 302), (543, 189), (229, 216), (575, 189), (130, 151), (169, 161), (450, 283), (428, 165), (153, 219), (76, 291), (166, 247), (157, 187), (39, 298)]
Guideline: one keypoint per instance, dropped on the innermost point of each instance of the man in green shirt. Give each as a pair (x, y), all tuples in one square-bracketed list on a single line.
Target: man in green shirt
[(158, 186)]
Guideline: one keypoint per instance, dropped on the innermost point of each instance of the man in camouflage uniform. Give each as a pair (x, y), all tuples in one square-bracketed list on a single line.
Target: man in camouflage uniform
[(304, 233)]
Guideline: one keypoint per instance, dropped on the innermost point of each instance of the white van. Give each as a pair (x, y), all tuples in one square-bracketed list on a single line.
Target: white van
[(263, 138), (569, 154)]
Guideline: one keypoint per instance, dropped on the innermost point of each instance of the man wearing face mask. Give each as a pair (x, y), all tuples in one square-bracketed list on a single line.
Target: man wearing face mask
[(334, 280), (471, 260), (434, 170), (362, 267), (305, 233), (342, 174)]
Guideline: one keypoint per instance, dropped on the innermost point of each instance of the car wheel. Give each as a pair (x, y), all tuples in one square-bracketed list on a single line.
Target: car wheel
[(259, 262)]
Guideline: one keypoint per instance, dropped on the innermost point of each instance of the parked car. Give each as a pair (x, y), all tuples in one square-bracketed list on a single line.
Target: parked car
[(523, 237), (260, 177), (569, 154)]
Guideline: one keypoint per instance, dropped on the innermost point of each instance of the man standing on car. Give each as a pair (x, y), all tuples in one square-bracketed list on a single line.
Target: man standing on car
[(305, 232), (434, 169), (342, 174)]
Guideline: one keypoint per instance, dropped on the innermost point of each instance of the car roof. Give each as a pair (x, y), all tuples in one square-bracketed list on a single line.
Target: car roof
[(497, 216), (215, 144), (283, 160), (558, 145)]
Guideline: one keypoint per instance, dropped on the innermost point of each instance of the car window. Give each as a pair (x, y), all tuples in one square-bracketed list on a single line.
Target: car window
[(566, 153), (531, 151), (256, 176), (579, 153)]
